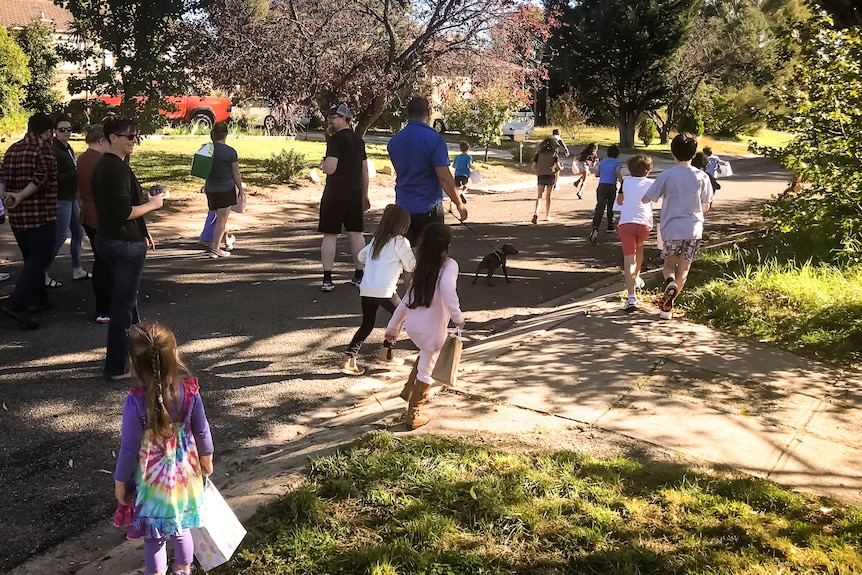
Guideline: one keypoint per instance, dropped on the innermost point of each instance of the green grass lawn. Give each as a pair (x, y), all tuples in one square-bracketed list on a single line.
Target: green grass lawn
[(428, 505), (813, 310)]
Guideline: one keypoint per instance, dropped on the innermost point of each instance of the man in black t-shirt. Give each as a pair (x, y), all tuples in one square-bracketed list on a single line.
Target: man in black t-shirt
[(345, 196)]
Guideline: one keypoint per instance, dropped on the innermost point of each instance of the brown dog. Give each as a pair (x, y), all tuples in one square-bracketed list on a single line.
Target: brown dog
[(494, 260)]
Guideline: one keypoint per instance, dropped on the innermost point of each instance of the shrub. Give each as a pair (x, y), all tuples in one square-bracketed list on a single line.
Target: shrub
[(285, 166), (691, 123), (14, 123), (647, 131)]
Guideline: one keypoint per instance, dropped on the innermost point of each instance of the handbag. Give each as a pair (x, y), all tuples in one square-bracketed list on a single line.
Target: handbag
[(221, 532), (446, 368), (202, 161), (239, 206)]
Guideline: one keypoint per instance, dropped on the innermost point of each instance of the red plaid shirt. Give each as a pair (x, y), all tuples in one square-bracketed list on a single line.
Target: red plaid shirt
[(31, 160)]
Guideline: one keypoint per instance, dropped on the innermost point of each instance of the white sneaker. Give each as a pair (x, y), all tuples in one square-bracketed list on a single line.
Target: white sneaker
[(230, 241), (219, 253), (631, 304), (4, 276), (665, 314), (639, 283)]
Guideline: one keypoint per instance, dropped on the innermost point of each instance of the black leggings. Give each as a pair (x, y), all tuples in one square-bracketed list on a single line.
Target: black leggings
[(369, 315)]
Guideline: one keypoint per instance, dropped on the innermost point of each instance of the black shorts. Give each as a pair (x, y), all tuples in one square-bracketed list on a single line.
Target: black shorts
[(461, 180), (219, 200), (546, 179), (337, 210)]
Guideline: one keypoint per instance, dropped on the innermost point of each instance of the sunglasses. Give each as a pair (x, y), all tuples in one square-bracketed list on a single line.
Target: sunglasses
[(130, 137), (64, 129)]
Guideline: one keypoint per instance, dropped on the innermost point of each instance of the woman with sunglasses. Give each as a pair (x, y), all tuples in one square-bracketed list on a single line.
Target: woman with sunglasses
[(122, 238)]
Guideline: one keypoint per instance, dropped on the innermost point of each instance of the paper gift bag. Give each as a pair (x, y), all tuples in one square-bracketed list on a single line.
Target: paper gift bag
[(475, 177), (723, 170), (446, 368), (221, 533), (202, 161), (239, 206)]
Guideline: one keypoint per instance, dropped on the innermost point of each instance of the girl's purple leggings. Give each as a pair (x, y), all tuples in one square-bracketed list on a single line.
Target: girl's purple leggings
[(156, 556)]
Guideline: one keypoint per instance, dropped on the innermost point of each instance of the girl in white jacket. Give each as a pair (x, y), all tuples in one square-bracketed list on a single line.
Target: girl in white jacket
[(430, 302), (385, 257)]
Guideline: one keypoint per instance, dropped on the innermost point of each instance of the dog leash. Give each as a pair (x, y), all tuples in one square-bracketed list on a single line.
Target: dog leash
[(463, 223)]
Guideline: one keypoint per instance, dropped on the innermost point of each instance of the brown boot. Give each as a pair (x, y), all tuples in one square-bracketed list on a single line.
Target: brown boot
[(411, 381), (415, 417)]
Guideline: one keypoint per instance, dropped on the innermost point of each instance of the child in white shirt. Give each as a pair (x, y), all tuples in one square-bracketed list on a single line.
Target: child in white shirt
[(635, 223)]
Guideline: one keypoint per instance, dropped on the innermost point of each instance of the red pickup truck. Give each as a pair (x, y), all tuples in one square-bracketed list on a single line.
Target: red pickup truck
[(205, 110)]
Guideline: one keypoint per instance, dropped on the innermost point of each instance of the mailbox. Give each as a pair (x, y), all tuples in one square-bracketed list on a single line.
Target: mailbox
[(519, 135)]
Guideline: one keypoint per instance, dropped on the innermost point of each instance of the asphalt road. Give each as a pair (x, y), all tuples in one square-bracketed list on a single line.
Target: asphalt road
[(262, 338)]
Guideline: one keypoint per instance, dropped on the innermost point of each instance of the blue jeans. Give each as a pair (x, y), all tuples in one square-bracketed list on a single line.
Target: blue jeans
[(37, 249), (68, 218), (126, 260)]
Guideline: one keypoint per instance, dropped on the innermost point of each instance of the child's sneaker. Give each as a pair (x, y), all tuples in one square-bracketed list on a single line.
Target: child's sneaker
[(670, 292), (639, 283), (631, 304), (327, 286), (594, 235), (349, 367)]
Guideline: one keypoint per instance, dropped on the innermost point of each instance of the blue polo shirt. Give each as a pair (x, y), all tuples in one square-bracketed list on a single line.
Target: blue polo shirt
[(415, 152)]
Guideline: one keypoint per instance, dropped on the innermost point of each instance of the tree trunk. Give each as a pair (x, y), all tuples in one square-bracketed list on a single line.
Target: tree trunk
[(370, 114), (627, 124)]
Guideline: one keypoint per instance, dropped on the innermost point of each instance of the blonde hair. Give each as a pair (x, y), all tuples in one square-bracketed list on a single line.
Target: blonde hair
[(94, 133), (156, 361)]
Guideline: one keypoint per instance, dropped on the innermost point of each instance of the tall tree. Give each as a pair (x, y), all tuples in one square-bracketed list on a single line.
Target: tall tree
[(363, 52), (618, 53), (151, 46), (37, 41), (14, 74)]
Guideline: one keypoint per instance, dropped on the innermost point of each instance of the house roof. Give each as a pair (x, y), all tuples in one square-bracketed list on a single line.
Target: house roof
[(19, 13)]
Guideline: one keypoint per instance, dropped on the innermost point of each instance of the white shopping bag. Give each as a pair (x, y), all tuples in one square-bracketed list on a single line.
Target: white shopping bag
[(475, 177), (221, 533), (723, 170)]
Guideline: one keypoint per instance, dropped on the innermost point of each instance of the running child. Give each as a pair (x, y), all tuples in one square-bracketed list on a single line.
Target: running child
[(546, 165), (430, 302), (687, 195), (385, 257), (463, 164), (610, 172), (165, 451), (635, 224), (582, 164)]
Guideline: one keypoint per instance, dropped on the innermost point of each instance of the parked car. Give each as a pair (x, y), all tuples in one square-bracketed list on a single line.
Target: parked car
[(205, 110), (523, 121), (261, 113)]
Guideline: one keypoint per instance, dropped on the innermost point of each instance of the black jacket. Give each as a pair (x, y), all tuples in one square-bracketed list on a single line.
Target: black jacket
[(67, 173)]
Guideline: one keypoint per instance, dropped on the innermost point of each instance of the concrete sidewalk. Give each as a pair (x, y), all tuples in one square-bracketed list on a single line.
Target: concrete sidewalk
[(582, 367)]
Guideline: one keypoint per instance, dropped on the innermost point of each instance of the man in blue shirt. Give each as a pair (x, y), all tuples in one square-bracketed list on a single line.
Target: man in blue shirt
[(421, 161)]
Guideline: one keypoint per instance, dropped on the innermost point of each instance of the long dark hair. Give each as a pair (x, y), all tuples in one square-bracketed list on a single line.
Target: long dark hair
[(153, 351), (395, 221), (430, 256), (587, 152)]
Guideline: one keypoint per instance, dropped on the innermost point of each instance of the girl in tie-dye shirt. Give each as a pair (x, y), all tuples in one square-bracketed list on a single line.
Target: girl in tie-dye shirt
[(165, 451)]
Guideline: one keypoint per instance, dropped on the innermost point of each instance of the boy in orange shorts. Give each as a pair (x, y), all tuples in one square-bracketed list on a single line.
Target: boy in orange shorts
[(635, 224)]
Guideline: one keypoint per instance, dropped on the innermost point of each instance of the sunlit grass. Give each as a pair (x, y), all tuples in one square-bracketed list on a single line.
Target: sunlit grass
[(811, 309), (437, 505)]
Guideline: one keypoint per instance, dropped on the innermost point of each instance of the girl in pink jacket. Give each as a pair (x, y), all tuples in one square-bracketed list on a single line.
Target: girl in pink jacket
[(430, 302)]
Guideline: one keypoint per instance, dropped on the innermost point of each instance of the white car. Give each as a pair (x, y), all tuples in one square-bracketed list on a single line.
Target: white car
[(523, 122), (264, 115)]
